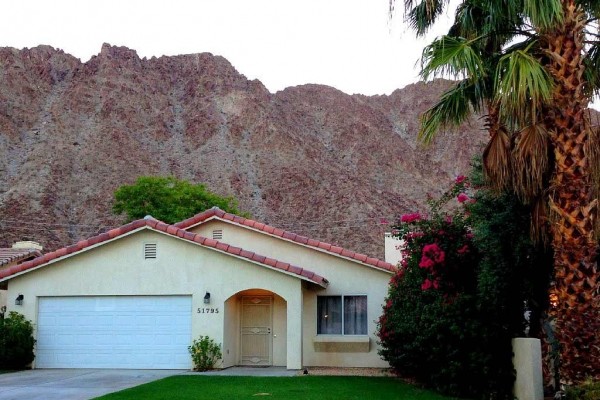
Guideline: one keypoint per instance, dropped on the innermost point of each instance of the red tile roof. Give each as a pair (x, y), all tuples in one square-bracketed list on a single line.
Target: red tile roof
[(8, 256), (216, 212), (169, 230)]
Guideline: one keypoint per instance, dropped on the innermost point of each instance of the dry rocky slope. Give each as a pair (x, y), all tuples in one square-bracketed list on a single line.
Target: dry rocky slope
[(310, 159)]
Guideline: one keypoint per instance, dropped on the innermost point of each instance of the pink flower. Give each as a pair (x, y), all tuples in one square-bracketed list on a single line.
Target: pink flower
[(436, 284), (408, 218), (426, 262), (460, 179), (463, 250), (462, 198), (426, 285), (434, 252)]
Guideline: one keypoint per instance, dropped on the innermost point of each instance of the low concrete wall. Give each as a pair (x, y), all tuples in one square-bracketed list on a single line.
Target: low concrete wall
[(527, 360)]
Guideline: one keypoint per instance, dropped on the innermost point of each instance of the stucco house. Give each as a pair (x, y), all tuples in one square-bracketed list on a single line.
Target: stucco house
[(136, 296), (16, 254)]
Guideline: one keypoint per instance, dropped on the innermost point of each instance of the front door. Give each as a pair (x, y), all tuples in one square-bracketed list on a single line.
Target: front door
[(256, 326)]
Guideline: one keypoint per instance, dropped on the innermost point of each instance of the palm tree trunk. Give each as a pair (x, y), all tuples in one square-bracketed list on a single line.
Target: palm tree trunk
[(572, 201)]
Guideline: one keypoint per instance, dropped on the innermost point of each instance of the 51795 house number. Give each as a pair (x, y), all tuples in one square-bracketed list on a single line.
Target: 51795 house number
[(208, 310)]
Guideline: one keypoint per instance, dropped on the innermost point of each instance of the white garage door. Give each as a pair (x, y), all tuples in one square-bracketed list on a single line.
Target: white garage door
[(146, 332)]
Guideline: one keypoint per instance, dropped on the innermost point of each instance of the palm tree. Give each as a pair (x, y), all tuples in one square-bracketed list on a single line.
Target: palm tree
[(533, 66)]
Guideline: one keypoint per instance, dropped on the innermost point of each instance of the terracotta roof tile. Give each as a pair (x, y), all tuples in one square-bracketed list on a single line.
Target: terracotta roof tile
[(271, 230), (336, 249), (170, 230), (10, 255), (210, 242), (289, 235), (247, 254), (347, 253), (301, 239), (222, 246), (271, 262), (285, 266), (235, 250), (360, 257)]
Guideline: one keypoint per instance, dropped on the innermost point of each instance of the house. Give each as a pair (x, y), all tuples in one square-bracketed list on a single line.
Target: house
[(136, 296), (18, 253)]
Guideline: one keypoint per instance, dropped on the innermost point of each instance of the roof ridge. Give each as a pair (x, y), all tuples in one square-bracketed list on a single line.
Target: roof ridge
[(286, 235), (171, 230)]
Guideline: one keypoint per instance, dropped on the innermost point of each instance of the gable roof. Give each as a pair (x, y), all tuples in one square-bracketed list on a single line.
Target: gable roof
[(12, 255), (217, 213), (170, 230)]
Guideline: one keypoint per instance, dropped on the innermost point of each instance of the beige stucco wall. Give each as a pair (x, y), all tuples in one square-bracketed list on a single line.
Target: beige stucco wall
[(181, 268), (345, 278), (3, 298)]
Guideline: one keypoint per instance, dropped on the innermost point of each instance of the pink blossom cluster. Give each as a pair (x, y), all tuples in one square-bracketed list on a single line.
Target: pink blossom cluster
[(408, 218)]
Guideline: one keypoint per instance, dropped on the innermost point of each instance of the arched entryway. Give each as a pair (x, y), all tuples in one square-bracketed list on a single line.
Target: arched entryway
[(255, 329)]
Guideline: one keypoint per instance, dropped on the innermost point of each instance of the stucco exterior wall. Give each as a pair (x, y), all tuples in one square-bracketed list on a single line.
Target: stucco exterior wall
[(346, 278), (3, 298), (181, 268)]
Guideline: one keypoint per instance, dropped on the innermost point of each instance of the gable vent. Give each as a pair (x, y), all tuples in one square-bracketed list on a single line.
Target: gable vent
[(218, 234), (149, 251)]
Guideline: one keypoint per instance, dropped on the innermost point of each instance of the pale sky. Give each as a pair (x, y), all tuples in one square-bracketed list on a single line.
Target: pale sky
[(349, 44)]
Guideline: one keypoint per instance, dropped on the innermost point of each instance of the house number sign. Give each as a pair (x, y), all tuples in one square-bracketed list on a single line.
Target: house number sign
[(208, 310)]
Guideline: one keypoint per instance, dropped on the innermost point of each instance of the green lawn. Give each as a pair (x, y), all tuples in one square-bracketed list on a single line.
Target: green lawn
[(300, 387)]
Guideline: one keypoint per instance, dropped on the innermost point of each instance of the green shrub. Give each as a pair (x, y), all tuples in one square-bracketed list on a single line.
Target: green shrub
[(205, 353), (16, 342), (461, 293), (586, 391)]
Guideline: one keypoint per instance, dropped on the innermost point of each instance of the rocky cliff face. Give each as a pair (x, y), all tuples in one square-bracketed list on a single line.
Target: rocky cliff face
[(309, 159)]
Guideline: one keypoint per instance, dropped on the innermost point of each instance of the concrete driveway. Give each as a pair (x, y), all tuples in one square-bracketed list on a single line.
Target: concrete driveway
[(73, 384)]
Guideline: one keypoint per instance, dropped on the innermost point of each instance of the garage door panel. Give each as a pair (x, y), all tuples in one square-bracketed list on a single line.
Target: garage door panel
[(114, 332)]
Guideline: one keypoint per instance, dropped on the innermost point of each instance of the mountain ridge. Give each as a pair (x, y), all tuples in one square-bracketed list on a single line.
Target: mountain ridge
[(310, 159)]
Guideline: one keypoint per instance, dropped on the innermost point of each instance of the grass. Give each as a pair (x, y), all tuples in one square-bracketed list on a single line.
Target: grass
[(300, 387)]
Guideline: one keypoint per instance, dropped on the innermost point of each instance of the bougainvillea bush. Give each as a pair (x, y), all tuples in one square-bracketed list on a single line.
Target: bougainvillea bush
[(441, 324)]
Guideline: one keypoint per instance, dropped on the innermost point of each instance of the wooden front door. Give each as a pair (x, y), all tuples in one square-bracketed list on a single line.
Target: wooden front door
[(256, 327)]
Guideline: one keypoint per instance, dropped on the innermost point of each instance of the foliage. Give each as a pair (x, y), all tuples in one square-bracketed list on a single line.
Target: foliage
[(205, 353), (460, 293), (16, 342), (588, 390), (168, 199), (298, 387), (531, 67)]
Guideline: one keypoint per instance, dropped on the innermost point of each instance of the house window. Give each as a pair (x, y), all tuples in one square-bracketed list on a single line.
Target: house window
[(337, 315), (218, 234), (149, 251)]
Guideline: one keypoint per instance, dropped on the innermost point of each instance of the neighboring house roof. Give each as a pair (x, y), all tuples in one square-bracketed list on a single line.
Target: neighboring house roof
[(11, 255), (217, 213), (171, 230)]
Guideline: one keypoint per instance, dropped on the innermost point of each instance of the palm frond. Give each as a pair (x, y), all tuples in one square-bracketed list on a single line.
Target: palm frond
[(452, 109), (590, 7), (452, 56), (539, 220), (544, 14), (592, 71), (422, 15), (592, 150), (496, 161), (530, 162), (523, 86)]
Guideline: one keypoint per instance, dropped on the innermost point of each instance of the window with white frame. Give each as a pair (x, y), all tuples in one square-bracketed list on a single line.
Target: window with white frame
[(342, 315)]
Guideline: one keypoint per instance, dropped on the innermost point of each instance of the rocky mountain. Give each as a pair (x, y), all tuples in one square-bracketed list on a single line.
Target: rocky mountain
[(310, 159)]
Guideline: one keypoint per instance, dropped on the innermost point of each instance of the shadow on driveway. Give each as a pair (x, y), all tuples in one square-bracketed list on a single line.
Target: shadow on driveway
[(74, 384)]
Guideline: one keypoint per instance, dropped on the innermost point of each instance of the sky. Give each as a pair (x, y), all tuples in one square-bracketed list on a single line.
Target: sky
[(351, 45)]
